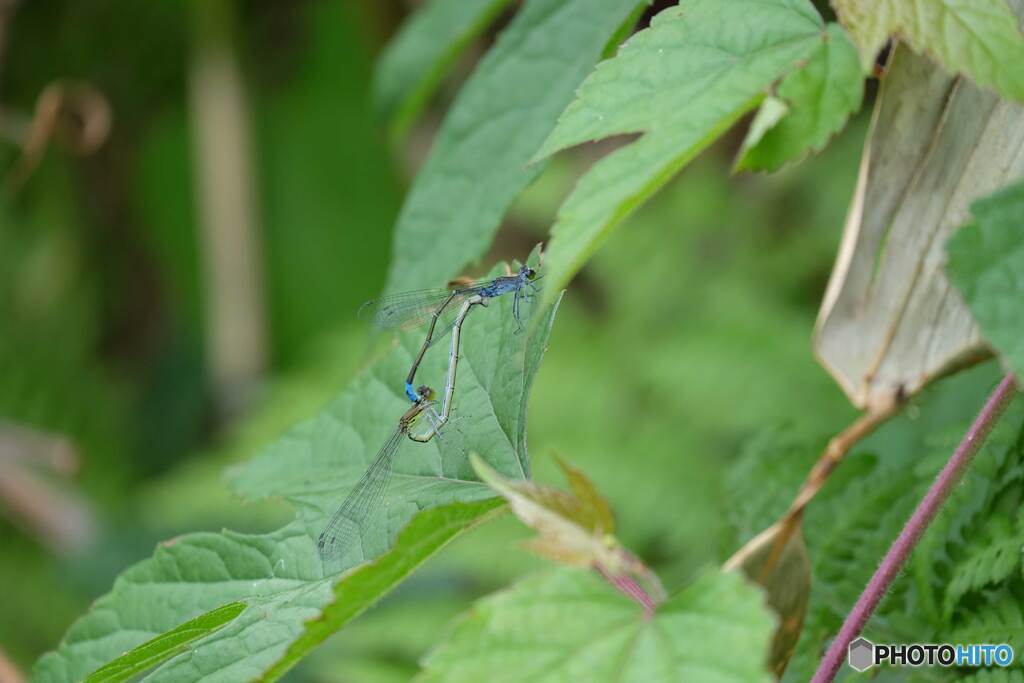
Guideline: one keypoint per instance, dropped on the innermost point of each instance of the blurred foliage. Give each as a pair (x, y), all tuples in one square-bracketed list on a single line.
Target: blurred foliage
[(679, 375), (124, 331), (101, 293)]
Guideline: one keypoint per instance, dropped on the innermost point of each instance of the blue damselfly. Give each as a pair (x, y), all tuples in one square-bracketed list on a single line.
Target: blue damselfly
[(407, 310)]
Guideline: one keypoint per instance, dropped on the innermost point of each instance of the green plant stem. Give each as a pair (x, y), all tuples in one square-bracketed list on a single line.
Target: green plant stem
[(915, 527)]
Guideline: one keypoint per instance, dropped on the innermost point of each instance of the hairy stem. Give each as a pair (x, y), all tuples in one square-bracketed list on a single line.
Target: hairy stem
[(914, 528)]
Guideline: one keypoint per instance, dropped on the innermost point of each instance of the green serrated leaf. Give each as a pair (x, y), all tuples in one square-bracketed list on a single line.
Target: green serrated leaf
[(946, 550), (478, 163), (718, 630), (417, 58), (275, 574), (989, 562), (771, 111), (986, 263), (781, 457), (865, 519), (995, 676), (427, 534), (818, 98), (151, 653), (999, 620), (980, 38), (290, 606), (681, 82)]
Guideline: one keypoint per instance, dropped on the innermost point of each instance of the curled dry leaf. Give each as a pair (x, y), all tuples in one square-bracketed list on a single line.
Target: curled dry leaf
[(890, 322), (787, 584)]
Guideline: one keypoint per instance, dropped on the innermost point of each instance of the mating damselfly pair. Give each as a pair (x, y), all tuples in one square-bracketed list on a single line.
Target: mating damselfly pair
[(406, 311), (414, 309)]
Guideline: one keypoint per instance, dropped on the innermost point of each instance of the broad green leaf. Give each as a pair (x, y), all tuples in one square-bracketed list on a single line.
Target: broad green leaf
[(277, 575), (478, 163), (980, 38), (681, 82), (147, 655), (569, 625), (358, 590), (290, 606), (817, 98), (416, 59), (986, 263)]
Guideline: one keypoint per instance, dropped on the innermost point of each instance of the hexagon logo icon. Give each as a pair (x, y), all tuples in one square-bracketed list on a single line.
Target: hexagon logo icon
[(861, 654)]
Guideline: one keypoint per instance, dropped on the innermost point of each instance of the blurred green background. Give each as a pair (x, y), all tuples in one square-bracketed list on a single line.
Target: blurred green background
[(137, 361)]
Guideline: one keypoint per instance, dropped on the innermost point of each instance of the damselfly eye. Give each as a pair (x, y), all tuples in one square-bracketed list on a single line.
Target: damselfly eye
[(530, 273), (425, 393)]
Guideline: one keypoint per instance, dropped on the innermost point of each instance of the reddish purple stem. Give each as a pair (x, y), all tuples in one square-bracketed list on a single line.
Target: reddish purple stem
[(628, 586), (915, 527)]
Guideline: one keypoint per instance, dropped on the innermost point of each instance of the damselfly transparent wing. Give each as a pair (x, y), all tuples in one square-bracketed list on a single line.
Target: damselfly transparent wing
[(407, 310), (342, 535)]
